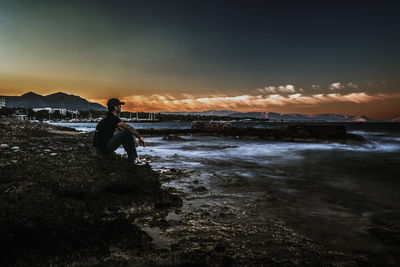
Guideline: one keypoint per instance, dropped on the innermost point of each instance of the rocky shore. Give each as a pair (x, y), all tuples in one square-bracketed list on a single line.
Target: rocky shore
[(63, 206)]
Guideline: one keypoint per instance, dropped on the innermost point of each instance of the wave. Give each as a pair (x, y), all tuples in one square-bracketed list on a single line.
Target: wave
[(248, 150), (220, 148), (368, 133), (84, 127)]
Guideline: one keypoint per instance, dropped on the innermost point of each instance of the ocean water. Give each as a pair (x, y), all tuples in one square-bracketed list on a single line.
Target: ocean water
[(333, 193), (91, 126)]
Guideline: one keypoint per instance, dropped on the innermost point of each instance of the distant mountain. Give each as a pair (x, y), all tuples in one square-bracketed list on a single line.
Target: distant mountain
[(221, 113), (57, 100), (278, 116), (318, 117)]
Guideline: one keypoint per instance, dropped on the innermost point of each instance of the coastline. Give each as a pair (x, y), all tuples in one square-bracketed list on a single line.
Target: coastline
[(77, 209)]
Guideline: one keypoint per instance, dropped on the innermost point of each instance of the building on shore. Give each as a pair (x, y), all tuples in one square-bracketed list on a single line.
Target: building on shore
[(76, 112), (62, 111), (2, 101), (21, 116)]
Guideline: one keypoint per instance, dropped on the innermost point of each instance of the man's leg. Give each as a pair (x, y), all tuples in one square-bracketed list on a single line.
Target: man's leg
[(125, 139), (129, 145)]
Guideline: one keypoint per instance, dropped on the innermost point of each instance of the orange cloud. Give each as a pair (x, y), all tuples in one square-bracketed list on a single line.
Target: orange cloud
[(189, 102)]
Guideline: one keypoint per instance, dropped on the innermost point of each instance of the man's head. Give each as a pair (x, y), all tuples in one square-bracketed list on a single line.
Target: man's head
[(114, 102)]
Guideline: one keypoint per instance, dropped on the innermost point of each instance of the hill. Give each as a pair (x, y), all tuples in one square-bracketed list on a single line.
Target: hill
[(278, 116), (57, 100)]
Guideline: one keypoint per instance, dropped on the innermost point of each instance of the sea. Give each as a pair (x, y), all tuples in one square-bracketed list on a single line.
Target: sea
[(334, 193)]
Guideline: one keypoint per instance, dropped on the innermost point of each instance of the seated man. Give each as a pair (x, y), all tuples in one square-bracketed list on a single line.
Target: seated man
[(107, 142)]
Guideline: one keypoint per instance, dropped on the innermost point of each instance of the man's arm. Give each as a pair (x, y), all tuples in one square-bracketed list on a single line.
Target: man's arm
[(124, 126)]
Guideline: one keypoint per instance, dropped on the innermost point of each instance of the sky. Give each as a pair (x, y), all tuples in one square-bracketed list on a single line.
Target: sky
[(288, 57)]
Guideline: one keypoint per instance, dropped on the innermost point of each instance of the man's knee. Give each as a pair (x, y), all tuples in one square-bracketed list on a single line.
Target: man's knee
[(127, 134)]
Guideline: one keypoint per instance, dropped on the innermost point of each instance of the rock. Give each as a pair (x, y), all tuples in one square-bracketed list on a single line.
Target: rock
[(313, 131), (172, 138), (291, 133), (52, 209), (200, 189), (219, 247), (207, 126)]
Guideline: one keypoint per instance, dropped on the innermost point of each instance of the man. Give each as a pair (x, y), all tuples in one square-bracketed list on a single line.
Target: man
[(107, 142)]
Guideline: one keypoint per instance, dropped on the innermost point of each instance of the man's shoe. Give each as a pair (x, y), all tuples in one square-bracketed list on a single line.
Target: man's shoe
[(138, 162)]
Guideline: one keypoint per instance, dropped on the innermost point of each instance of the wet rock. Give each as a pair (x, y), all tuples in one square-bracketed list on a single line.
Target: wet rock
[(386, 226), (68, 209), (200, 189), (299, 133), (211, 126), (220, 247), (164, 132), (292, 133), (172, 138)]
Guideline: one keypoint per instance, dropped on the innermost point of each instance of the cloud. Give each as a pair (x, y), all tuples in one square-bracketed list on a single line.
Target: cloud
[(352, 85), (355, 97), (280, 89), (336, 86), (286, 89), (241, 102), (269, 89)]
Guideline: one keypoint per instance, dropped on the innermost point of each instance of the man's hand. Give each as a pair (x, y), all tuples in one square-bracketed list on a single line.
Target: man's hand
[(123, 125), (142, 142), (136, 142)]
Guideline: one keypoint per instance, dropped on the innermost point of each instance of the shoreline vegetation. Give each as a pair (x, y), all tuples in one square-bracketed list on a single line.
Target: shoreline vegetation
[(62, 205)]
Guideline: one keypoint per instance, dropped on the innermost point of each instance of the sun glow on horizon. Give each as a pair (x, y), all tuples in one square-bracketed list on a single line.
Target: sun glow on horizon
[(248, 103)]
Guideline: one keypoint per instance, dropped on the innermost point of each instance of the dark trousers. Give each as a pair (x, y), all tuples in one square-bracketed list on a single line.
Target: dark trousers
[(125, 139)]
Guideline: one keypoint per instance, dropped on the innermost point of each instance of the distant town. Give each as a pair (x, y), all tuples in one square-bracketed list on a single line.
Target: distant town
[(68, 115)]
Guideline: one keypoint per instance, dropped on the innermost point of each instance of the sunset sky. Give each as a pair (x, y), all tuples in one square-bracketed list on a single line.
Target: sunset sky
[(199, 55)]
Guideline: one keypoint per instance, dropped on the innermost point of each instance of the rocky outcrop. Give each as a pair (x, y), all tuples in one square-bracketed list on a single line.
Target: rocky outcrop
[(56, 199), (150, 132), (211, 126), (296, 132), (291, 133), (306, 133)]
